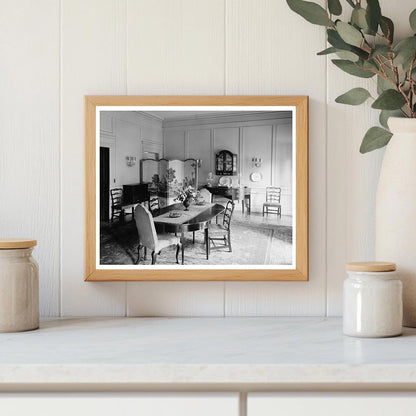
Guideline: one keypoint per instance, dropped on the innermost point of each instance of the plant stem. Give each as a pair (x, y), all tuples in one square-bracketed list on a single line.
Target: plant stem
[(411, 89)]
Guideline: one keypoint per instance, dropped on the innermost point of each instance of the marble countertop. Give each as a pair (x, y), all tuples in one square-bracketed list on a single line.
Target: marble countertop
[(287, 351)]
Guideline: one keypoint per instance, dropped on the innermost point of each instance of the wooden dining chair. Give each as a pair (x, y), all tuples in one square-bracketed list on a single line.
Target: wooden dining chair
[(148, 238), (222, 232), (118, 208), (272, 203), (154, 204)]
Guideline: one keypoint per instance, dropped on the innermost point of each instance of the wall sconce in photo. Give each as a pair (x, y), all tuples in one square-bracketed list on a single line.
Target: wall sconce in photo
[(256, 161), (130, 160)]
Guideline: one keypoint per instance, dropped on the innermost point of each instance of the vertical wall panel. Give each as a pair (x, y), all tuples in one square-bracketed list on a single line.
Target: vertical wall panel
[(127, 144), (352, 177), (29, 135), (174, 144), (257, 142), (93, 62), (200, 147), (175, 298), (175, 47), (271, 50), (226, 138)]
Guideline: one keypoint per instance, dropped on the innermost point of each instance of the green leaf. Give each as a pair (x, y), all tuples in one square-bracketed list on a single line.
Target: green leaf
[(373, 65), (311, 12), (347, 55), (358, 18), (349, 34), (352, 68), (335, 40), (412, 20), (387, 27), (383, 85), (405, 50), (327, 51), (350, 56), (389, 100), (380, 50), (375, 138), (406, 65), (356, 96), (362, 54), (386, 114), (373, 14), (334, 7)]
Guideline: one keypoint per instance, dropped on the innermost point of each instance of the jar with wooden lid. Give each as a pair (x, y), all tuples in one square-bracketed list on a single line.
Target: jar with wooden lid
[(372, 300), (19, 286)]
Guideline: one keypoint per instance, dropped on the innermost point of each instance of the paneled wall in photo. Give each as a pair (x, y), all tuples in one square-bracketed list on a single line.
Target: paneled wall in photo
[(263, 136)]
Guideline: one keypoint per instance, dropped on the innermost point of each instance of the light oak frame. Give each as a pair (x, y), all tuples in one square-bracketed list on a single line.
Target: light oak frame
[(300, 273)]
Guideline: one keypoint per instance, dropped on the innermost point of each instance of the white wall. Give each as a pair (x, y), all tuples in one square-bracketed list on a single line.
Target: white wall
[(55, 52), (130, 134)]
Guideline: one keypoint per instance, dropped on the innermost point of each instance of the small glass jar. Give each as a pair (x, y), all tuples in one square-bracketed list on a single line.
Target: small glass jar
[(19, 286), (373, 305)]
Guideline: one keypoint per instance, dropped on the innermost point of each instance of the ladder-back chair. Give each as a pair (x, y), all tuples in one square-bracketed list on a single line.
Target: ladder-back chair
[(272, 204)]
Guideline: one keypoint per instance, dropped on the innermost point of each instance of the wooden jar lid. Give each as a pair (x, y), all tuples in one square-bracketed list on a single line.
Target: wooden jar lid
[(371, 266), (13, 243)]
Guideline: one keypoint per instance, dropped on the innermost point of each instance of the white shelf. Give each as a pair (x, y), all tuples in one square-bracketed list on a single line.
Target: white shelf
[(216, 351)]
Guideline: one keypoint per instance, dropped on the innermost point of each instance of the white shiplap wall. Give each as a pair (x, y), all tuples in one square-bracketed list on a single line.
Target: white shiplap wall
[(30, 135), (55, 52)]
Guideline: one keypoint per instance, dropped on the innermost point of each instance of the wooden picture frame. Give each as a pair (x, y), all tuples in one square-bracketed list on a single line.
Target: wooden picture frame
[(299, 269)]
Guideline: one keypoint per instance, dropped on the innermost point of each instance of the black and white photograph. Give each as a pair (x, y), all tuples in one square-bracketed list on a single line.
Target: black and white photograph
[(185, 187)]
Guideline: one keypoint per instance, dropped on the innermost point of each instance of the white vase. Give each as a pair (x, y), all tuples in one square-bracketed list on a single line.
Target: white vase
[(396, 210)]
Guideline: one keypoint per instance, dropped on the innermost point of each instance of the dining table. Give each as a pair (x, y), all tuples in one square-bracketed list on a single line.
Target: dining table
[(242, 194), (175, 219)]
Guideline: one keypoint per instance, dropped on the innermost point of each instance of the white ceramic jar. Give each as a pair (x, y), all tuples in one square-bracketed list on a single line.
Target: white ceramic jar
[(372, 300), (19, 286)]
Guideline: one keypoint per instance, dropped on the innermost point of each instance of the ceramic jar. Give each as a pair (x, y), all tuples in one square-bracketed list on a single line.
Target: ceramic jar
[(372, 300), (19, 286)]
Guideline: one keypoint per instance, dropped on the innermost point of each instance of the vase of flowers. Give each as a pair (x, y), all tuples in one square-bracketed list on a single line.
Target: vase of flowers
[(364, 44), (186, 195)]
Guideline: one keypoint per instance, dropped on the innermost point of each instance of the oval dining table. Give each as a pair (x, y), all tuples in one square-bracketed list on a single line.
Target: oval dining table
[(197, 218)]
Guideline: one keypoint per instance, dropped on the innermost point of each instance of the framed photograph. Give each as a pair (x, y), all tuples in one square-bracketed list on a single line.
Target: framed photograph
[(196, 188)]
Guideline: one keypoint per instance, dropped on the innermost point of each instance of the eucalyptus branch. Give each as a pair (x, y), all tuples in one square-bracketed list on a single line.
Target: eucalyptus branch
[(375, 53), (406, 97), (366, 43), (380, 63), (386, 77), (395, 72)]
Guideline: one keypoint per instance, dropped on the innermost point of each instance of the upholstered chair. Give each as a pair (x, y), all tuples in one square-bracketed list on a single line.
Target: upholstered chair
[(148, 238)]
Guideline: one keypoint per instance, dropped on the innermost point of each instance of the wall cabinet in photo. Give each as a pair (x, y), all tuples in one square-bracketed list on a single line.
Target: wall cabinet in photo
[(196, 188)]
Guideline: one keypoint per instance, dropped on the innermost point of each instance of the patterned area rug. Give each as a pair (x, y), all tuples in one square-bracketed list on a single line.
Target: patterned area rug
[(253, 243)]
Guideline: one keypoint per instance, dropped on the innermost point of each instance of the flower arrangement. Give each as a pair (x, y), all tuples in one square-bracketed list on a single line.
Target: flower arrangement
[(365, 47), (187, 193)]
